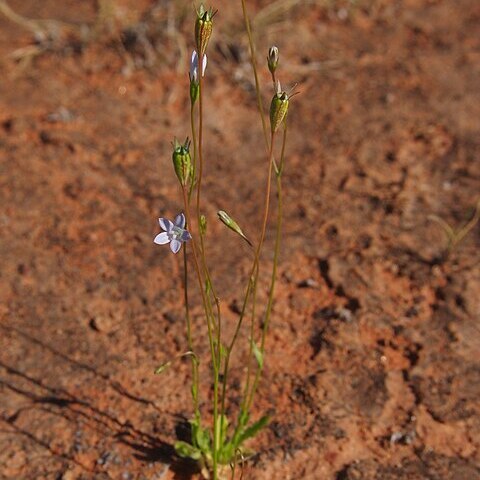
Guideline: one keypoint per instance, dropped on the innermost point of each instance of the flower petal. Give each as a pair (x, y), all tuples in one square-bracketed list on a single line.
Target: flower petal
[(166, 224), (185, 236), (194, 66), (175, 246), (204, 64), (161, 238), (180, 220)]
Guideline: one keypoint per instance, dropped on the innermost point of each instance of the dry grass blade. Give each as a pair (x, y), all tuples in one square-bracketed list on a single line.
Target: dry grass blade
[(463, 232), (49, 28), (28, 52), (274, 13), (446, 227), (456, 236)]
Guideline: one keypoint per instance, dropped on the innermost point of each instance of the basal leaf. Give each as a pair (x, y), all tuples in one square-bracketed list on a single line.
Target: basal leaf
[(253, 429), (185, 450)]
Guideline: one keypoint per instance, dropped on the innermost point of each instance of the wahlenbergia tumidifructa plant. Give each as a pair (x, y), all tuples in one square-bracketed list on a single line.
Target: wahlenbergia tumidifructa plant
[(219, 445)]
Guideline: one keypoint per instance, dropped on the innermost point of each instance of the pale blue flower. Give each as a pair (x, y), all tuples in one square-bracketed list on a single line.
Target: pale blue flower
[(194, 66), (174, 234)]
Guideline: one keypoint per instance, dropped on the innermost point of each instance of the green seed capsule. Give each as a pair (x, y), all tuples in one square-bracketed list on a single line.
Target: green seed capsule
[(182, 162), (278, 110)]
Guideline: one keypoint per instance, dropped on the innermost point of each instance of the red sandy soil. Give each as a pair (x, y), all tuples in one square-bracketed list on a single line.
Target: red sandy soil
[(372, 371)]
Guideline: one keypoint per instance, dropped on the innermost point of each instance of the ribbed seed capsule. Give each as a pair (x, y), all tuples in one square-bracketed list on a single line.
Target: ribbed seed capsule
[(182, 162), (278, 110), (203, 29)]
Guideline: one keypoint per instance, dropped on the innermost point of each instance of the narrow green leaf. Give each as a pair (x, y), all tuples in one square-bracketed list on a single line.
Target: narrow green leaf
[(223, 350), (226, 454), (185, 450), (258, 354), (224, 426), (203, 439), (253, 429), (160, 369), (243, 418)]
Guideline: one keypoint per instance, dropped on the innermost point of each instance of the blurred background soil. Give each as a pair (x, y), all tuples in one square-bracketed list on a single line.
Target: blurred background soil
[(373, 366)]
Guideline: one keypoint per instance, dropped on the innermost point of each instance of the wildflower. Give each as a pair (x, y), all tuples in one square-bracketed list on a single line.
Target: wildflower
[(175, 233), (272, 59), (194, 67)]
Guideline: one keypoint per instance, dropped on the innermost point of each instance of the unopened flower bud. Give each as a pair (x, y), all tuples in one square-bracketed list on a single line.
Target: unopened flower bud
[(227, 220), (272, 59), (182, 162), (278, 108), (203, 28), (194, 75)]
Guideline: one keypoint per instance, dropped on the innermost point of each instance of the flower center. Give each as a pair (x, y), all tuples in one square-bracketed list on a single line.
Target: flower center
[(176, 233)]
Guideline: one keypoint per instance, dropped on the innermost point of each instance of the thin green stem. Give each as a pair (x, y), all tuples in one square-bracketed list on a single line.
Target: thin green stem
[(210, 334), (216, 353), (253, 61), (284, 144), (252, 281), (276, 255), (274, 80), (189, 337), (198, 211), (251, 342), (209, 327), (200, 152), (230, 347), (192, 187), (255, 269), (199, 273), (195, 152), (199, 187)]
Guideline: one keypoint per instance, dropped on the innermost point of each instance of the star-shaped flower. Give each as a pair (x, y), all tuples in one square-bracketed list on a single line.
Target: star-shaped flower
[(174, 234)]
